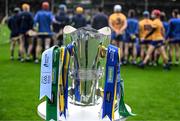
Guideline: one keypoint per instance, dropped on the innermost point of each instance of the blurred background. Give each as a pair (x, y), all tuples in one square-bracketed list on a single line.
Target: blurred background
[(139, 5)]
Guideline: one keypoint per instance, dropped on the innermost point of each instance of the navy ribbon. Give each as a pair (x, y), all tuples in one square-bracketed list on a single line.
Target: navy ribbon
[(110, 81)]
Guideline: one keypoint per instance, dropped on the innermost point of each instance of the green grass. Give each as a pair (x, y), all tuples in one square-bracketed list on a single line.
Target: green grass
[(4, 34), (152, 93)]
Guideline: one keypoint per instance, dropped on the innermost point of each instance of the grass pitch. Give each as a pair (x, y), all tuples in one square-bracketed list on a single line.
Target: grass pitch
[(152, 93)]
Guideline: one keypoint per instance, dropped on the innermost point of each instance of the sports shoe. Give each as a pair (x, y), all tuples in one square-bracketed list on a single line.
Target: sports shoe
[(169, 62), (166, 67), (36, 61), (133, 62), (22, 60), (154, 64), (12, 58), (141, 65), (27, 58), (176, 63), (125, 62)]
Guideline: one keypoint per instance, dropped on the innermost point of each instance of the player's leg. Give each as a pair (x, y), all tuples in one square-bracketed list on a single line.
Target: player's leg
[(12, 47), (134, 53), (19, 52), (120, 45), (47, 43), (148, 56), (171, 46), (30, 47), (38, 50), (126, 53), (164, 56), (177, 53), (156, 57), (149, 53), (142, 52), (22, 49)]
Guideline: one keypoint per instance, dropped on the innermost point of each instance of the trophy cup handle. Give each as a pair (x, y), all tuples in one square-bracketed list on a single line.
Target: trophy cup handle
[(105, 31), (68, 29)]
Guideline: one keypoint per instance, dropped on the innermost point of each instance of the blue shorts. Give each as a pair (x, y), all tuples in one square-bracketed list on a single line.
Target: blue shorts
[(129, 40), (175, 41), (157, 44), (116, 37), (145, 42)]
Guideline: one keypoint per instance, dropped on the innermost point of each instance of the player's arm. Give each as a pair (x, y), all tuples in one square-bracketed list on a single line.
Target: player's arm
[(154, 27), (150, 33), (124, 26), (111, 25), (169, 32)]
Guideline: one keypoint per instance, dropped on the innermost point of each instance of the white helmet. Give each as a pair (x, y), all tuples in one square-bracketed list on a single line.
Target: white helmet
[(117, 8)]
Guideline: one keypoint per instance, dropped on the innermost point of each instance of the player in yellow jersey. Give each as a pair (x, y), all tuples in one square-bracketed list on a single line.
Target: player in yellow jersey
[(145, 26), (118, 24), (157, 34)]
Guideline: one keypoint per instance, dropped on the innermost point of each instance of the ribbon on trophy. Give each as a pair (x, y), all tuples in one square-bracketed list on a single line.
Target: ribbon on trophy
[(122, 107), (118, 94), (46, 73), (77, 80), (63, 80), (110, 82)]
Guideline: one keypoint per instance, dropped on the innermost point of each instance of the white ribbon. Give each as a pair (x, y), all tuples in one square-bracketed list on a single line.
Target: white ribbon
[(46, 73)]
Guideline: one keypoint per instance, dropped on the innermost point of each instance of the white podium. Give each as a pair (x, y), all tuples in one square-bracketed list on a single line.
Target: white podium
[(81, 113)]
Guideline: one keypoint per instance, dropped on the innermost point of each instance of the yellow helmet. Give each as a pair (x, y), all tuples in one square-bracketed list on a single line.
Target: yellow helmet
[(79, 10), (25, 6)]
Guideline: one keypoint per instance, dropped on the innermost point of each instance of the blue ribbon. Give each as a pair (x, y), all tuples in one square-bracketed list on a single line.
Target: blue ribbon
[(110, 81), (72, 50), (65, 82)]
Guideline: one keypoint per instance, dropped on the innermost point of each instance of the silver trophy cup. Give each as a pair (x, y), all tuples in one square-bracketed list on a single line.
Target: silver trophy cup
[(85, 69)]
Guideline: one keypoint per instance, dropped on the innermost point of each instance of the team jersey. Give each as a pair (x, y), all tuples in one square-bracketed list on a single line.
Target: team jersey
[(145, 26), (159, 32), (174, 28), (79, 21), (166, 27), (13, 25), (63, 20), (44, 19), (117, 20), (132, 27), (25, 22), (100, 20)]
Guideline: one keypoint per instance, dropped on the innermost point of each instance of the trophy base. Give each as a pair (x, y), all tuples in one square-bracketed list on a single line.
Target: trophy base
[(81, 113)]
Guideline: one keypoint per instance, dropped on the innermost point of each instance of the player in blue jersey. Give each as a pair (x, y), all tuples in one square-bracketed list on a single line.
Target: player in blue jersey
[(26, 23), (100, 19), (78, 19), (14, 28), (43, 19), (174, 36), (131, 37), (63, 20)]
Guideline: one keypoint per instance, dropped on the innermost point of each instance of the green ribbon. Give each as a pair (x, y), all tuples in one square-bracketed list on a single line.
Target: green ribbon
[(122, 107)]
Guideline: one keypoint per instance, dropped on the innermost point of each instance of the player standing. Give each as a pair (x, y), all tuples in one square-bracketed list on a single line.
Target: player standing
[(157, 33), (14, 28), (63, 20), (131, 37), (145, 26), (174, 36), (78, 19), (26, 23), (44, 19), (118, 24), (100, 19)]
